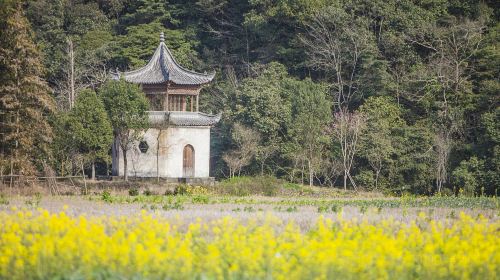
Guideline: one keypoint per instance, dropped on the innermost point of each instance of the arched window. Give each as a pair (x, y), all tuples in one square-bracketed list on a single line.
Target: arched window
[(188, 161)]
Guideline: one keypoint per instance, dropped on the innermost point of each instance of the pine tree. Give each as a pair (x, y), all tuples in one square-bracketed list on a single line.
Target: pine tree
[(25, 98)]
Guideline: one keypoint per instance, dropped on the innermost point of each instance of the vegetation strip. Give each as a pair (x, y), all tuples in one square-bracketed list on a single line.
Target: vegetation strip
[(406, 201)]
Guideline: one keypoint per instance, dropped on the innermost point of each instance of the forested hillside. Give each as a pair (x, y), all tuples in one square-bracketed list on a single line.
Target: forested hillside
[(391, 95)]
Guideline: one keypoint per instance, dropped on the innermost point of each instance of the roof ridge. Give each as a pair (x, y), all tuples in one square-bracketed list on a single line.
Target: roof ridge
[(182, 118), (163, 67), (180, 66)]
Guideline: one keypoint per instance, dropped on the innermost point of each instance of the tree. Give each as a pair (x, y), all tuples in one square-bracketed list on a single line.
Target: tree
[(161, 127), (135, 48), (311, 114), (63, 147), (64, 30), (491, 154), (377, 143), (414, 162), (247, 142), (90, 128), (452, 44), (346, 130), (336, 43), (468, 176), (484, 116), (261, 102), (126, 106), (25, 99)]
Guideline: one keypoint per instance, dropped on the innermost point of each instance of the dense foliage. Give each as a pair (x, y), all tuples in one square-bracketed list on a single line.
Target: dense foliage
[(390, 95), (25, 100), (126, 107)]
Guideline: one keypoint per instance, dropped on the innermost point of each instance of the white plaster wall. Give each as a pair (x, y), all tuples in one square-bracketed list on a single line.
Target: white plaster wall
[(172, 143)]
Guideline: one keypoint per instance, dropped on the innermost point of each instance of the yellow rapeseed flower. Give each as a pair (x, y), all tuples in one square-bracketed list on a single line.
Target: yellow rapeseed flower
[(42, 245)]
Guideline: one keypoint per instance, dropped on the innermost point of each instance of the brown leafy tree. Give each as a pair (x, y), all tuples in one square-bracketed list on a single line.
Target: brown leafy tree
[(25, 99)]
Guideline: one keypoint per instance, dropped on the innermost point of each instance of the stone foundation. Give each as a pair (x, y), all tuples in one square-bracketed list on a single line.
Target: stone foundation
[(201, 181)]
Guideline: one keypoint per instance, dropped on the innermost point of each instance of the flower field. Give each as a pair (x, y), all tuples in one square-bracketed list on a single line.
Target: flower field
[(39, 245)]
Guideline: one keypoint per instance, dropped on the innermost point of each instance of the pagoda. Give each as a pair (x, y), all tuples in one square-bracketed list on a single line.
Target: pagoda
[(177, 143)]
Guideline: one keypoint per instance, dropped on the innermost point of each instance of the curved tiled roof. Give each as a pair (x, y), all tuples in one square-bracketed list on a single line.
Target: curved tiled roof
[(163, 68), (183, 118)]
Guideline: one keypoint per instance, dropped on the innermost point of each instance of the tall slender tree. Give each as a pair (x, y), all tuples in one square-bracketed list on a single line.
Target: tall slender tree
[(25, 98)]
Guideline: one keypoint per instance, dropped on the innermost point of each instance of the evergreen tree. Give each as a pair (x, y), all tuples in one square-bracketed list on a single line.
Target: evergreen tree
[(90, 128), (25, 99)]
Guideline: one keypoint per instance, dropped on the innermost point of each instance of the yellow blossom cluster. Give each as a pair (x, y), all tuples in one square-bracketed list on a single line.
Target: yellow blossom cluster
[(40, 245)]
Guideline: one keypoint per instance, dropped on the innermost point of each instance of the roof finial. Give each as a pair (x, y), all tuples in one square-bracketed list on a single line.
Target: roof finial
[(162, 37)]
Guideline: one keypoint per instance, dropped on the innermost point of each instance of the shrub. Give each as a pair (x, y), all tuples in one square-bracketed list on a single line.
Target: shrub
[(292, 186), (148, 192), (336, 208), (322, 208), (3, 200), (366, 179), (243, 186), (201, 199), (133, 192), (106, 196), (35, 202), (468, 175), (196, 190), (175, 205), (181, 189), (169, 191)]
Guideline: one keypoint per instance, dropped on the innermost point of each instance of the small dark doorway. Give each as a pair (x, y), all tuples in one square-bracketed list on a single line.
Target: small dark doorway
[(188, 161)]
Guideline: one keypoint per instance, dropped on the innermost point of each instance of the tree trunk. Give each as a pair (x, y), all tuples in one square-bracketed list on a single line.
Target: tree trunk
[(157, 167), (125, 169), (345, 179), (84, 179), (158, 157), (310, 173), (11, 174), (302, 174), (93, 171), (71, 74), (377, 174)]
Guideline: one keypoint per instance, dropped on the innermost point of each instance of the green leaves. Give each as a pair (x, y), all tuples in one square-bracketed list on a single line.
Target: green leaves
[(90, 127), (127, 109), (135, 48), (262, 102), (126, 105)]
